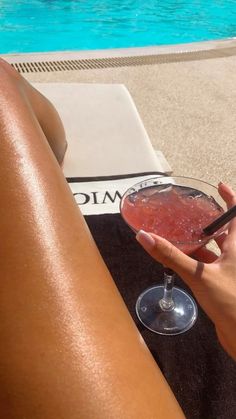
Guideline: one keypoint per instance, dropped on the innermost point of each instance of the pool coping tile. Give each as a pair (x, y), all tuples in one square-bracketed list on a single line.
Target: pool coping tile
[(218, 46)]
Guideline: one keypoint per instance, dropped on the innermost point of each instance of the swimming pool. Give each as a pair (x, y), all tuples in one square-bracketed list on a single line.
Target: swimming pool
[(56, 25)]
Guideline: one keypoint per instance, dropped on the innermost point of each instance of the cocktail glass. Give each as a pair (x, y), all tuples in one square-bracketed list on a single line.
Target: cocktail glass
[(176, 208)]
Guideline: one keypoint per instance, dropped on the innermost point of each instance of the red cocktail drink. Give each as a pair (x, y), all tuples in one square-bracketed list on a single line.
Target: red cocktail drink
[(177, 213), (177, 208)]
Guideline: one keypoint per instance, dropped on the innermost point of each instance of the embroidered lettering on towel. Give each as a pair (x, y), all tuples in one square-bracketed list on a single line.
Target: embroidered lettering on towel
[(97, 198), (102, 196)]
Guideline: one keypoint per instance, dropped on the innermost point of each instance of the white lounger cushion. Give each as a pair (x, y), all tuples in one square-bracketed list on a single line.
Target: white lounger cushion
[(104, 131), (106, 138)]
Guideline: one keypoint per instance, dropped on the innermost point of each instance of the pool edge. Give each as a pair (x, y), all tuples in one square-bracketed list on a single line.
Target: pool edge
[(216, 45)]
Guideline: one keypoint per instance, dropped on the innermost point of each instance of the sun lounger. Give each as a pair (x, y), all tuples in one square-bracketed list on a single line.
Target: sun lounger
[(107, 141), (109, 150)]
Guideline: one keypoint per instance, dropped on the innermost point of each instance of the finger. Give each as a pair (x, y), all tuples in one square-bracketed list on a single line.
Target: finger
[(227, 193), (167, 254), (205, 255), (220, 240), (229, 197)]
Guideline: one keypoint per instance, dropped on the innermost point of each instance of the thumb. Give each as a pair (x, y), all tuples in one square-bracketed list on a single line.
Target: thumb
[(167, 254)]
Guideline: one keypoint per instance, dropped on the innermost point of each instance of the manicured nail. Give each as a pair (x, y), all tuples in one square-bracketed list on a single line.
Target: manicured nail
[(226, 186), (145, 239)]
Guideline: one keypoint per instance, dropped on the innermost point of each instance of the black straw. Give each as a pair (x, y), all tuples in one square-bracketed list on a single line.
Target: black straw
[(221, 221)]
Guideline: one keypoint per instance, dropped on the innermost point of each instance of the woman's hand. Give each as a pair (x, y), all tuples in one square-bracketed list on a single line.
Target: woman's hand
[(213, 280)]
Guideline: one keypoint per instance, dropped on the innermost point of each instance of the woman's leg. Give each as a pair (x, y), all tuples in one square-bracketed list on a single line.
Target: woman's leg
[(68, 347), (41, 107)]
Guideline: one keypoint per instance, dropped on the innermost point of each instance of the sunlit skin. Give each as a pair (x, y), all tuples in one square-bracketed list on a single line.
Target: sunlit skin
[(69, 348), (45, 116)]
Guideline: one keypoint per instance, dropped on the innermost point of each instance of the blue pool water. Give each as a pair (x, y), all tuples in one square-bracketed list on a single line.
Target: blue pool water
[(52, 25)]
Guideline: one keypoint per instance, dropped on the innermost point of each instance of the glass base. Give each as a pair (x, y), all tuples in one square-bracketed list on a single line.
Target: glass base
[(178, 319)]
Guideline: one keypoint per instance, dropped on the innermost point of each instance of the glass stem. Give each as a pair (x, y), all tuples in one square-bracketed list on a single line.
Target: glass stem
[(167, 303)]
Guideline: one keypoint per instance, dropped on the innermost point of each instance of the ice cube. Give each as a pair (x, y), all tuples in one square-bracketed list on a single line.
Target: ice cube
[(167, 187), (132, 197), (187, 192)]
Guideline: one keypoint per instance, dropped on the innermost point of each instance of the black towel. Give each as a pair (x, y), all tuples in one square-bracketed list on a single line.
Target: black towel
[(200, 373)]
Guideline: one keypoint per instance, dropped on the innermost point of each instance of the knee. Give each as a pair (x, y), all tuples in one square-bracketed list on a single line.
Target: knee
[(11, 84), (6, 68), (10, 79)]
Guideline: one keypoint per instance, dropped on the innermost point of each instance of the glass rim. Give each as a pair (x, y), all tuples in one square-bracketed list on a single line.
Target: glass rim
[(196, 242)]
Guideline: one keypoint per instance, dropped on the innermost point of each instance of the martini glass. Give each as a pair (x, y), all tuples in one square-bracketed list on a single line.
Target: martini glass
[(176, 208)]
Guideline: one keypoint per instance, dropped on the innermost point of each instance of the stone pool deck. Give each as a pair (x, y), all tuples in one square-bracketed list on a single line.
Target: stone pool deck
[(186, 96)]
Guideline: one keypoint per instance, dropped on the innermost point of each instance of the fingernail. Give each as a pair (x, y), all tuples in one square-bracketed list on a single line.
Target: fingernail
[(145, 239)]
